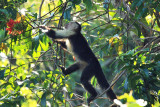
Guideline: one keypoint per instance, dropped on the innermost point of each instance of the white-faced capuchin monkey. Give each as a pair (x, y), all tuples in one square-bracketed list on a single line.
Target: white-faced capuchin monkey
[(86, 60)]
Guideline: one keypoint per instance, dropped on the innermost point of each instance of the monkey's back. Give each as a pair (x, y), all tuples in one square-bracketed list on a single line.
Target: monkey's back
[(81, 49)]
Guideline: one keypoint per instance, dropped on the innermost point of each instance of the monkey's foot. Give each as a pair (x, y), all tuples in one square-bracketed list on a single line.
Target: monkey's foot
[(63, 69)]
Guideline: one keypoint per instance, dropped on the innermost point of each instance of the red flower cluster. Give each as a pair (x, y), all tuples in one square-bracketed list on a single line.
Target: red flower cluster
[(11, 25)]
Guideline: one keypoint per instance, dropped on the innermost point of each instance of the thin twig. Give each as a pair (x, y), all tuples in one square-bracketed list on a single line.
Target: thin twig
[(51, 10), (127, 29), (51, 16), (95, 17), (5, 39), (150, 42), (30, 63), (32, 21), (40, 8), (41, 56), (61, 18), (29, 24), (102, 24), (10, 60)]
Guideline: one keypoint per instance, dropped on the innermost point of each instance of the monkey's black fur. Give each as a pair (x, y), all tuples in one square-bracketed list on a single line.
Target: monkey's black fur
[(86, 60)]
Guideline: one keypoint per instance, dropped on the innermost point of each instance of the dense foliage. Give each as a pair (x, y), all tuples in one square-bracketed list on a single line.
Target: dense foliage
[(123, 34)]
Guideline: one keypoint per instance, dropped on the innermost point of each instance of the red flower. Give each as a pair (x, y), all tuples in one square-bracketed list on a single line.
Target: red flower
[(12, 27), (11, 23), (10, 30)]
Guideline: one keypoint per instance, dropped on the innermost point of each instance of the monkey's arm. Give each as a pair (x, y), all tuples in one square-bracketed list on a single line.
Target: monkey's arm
[(59, 34), (71, 68), (54, 35)]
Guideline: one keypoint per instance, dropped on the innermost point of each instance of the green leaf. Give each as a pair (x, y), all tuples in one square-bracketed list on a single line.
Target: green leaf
[(143, 13), (93, 81), (88, 4), (106, 3), (126, 84), (35, 15), (133, 80), (143, 58), (67, 13), (75, 2), (158, 8), (138, 29), (5, 12), (133, 6), (23, 1), (43, 100), (139, 3), (12, 11), (14, 38), (139, 12), (2, 74), (2, 34), (146, 72), (37, 53), (44, 47), (35, 43), (157, 57)]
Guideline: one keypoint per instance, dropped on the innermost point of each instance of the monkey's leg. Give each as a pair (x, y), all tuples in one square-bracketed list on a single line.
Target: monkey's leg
[(87, 74), (71, 68), (104, 84)]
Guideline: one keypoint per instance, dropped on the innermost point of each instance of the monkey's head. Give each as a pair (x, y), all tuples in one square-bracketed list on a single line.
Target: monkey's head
[(74, 26)]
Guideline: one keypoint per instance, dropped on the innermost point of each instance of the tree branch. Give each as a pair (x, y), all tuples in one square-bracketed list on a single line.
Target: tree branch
[(40, 8)]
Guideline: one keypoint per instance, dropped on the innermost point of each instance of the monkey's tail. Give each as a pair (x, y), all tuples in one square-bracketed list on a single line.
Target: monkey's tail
[(104, 85)]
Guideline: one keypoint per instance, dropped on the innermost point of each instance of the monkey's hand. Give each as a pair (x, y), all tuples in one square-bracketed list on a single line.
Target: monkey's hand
[(63, 69), (44, 27), (48, 31)]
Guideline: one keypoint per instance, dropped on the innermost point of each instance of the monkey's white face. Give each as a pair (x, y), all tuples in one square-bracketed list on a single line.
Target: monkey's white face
[(72, 26)]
